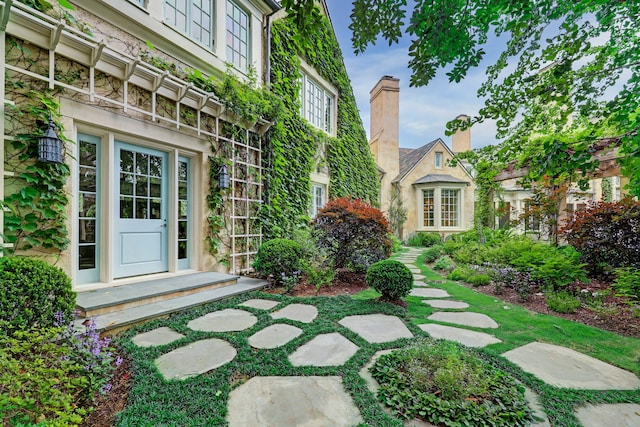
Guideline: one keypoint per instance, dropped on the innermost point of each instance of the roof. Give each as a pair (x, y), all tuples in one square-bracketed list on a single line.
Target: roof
[(439, 177), (409, 157)]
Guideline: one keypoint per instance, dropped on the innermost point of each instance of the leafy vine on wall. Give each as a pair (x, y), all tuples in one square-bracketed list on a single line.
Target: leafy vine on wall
[(293, 142)]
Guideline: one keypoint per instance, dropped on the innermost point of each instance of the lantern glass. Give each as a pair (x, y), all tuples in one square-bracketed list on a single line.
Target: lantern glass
[(223, 177), (49, 145)]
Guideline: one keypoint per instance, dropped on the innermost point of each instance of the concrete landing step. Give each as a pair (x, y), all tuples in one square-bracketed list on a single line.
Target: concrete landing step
[(117, 321), (104, 301)]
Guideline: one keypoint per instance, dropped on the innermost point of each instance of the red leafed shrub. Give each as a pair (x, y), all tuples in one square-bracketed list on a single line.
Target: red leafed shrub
[(607, 235), (354, 234)]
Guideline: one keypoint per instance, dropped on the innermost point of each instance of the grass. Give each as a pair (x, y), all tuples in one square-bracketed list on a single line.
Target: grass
[(202, 400)]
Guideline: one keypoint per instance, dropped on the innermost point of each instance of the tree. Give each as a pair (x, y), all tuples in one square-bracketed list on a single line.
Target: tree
[(568, 65)]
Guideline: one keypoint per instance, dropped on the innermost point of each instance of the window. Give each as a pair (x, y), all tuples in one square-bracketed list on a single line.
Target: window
[(429, 208), (192, 17), (438, 159), (237, 36), (449, 205), (316, 104), (88, 242), (531, 217), (183, 213), (317, 199), (140, 3)]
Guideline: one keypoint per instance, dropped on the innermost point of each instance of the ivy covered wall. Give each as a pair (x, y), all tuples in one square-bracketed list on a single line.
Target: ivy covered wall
[(293, 144)]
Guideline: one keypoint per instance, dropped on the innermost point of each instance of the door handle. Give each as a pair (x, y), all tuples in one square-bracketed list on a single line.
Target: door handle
[(164, 223)]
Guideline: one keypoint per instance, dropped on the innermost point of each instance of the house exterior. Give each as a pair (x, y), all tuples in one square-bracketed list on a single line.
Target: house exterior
[(438, 197), (156, 102)]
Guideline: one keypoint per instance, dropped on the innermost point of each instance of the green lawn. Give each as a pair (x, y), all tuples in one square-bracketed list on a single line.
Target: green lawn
[(202, 400)]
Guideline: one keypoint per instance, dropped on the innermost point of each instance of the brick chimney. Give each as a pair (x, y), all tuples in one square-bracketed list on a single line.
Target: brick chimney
[(384, 127), (461, 140)]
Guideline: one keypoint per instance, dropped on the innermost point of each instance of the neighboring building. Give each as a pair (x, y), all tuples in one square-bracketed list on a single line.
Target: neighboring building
[(142, 132), (438, 197)]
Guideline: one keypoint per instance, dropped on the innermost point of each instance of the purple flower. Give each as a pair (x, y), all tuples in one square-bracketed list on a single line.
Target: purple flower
[(119, 361)]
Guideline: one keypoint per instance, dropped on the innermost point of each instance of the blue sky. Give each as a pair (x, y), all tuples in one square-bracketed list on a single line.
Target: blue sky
[(424, 111)]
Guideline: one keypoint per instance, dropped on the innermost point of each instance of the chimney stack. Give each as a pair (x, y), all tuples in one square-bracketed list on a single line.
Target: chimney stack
[(384, 125), (461, 140)]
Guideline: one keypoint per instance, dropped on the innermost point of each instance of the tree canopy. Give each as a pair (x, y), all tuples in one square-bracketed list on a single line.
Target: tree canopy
[(569, 67)]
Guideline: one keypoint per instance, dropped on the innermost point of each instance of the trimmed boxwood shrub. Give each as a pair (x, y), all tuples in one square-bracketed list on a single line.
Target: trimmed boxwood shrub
[(31, 292), (433, 253), (279, 256), (391, 278), (443, 383)]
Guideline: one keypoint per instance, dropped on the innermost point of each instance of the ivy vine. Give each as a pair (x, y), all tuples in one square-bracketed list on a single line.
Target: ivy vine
[(293, 143)]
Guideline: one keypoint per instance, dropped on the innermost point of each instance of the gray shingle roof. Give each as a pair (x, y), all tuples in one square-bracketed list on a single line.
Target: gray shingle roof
[(409, 157)]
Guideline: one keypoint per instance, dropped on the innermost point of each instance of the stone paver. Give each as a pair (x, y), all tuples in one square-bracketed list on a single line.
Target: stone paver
[(463, 336), (538, 411), (563, 367), (195, 358), (227, 320), (445, 303), (156, 337), (429, 293), (304, 313), (324, 350), (419, 283), (262, 304), (618, 415), (292, 401), (376, 328), (477, 320), (418, 277), (414, 270), (274, 336), (372, 384)]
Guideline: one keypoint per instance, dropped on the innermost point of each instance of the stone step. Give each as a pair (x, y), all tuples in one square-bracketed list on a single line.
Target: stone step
[(108, 300), (118, 321)]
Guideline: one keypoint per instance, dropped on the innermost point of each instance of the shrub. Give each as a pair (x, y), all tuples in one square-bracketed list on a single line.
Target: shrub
[(443, 383), (31, 291), (353, 233), (444, 263), (479, 279), (459, 273), (627, 283), (433, 253), (562, 302), (424, 239), (391, 278), (606, 233), (279, 257), (317, 265)]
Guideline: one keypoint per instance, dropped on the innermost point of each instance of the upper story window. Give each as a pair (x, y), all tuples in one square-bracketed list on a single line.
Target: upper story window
[(192, 17), (317, 199), (438, 159), (237, 36), (141, 3), (317, 104)]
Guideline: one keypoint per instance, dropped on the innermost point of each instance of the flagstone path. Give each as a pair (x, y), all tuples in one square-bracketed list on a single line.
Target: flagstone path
[(322, 401)]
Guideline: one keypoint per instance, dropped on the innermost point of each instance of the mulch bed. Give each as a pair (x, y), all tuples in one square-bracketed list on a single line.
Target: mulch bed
[(621, 320)]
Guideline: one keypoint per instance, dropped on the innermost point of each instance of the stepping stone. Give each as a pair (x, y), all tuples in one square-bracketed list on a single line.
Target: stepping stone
[(443, 303), (538, 411), (418, 277), (292, 401), (463, 336), (377, 328), (477, 320), (563, 367), (274, 336), (371, 382), (156, 337), (415, 270), (324, 350), (227, 320), (262, 304), (617, 414), (429, 293), (419, 283), (195, 359), (304, 313)]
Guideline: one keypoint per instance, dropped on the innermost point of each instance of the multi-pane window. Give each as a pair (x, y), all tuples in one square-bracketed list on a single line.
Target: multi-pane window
[(183, 209), (140, 185), (429, 208), (317, 105), (192, 17), (237, 36), (449, 207), (87, 204), (531, 217), (317, 199), (438, 159)]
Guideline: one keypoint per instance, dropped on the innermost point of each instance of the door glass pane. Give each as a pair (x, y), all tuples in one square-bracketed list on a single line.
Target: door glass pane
[(87, 154), (142, 163), (142, 186), (156, 206), (126, 184), (155, 187), (182, 229), (87, 205), (142, 208), (87, 231), (155, 166), (126, 161), (182, 209), (126, 207), (87, 257), (87, 179)]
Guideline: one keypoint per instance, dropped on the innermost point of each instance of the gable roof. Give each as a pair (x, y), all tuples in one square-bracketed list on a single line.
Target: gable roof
[(439, 177), (410, 157)]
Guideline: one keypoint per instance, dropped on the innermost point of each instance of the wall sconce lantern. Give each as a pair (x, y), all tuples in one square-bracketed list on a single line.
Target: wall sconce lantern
[(49, 145), (223, 177)]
